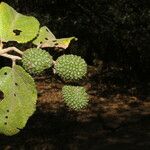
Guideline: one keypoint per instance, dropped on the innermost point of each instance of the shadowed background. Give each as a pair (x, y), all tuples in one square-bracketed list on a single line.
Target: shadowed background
[(114, 39)]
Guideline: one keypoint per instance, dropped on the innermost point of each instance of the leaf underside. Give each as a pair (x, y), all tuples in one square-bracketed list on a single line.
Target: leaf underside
[(19, 99), (15, 26)]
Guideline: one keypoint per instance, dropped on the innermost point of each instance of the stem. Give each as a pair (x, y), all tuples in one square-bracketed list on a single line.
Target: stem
[(5, 50), (54, 62), (54, 70), (13, 63), (1, 45), (39, 46), (12, 57)]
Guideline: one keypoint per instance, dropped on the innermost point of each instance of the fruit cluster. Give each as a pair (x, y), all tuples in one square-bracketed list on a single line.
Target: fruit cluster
[(68, 67)]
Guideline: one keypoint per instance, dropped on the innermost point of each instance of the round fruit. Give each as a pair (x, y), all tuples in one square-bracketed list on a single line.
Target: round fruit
[(36, 60), (75, 96), (70, 67)]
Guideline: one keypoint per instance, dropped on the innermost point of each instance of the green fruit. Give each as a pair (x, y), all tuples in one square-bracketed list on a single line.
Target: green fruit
[(75, 96), (36, 60), (70, 67)]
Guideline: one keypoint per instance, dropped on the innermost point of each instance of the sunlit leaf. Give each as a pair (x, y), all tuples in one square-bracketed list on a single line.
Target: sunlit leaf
[(44, 38), (64, 42), (18, 101), (47, 39), (15, 26)]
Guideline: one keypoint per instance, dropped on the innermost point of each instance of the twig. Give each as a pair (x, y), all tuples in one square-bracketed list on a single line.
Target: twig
[(5, 50), (12, 57)]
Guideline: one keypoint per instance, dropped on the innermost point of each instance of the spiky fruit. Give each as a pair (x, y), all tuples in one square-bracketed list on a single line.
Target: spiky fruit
[(75, 96), (35, 60), (70, 67)]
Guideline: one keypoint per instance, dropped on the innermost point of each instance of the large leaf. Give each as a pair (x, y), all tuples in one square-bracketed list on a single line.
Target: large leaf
[(15, 26), (19, 99), (47, 39)]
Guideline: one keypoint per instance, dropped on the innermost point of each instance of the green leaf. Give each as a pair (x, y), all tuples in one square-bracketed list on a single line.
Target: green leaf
[(47, 39), (19, 99), (64, 42), (15, 26), (45, 35)]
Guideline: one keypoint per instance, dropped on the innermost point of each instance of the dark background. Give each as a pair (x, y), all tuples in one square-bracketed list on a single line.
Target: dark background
[(114, 31), (113, 37)]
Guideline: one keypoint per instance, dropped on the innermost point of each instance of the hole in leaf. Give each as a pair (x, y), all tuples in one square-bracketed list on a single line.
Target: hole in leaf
[(17, 32), (5, 73), (14, 94), (1, 95), (54, 40), (46, 38), (41, 42), (16, 84), (5, 123), (6, 117), (56, 44), (7, 110)]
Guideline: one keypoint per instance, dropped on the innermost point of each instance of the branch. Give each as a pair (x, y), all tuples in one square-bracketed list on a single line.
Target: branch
[(3, 52), (6, 50), (11, 56)]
